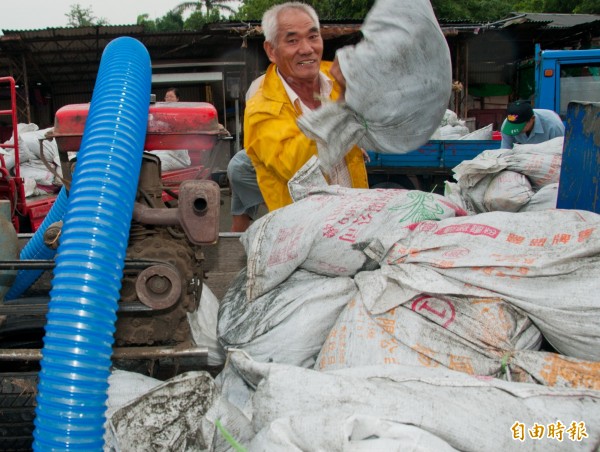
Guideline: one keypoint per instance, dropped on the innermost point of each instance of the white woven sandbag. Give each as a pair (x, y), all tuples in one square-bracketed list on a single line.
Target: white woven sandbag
[(36, 170), (539, 162), (477, 336), (467, 412), (552, 369), (467, 334), (398, 84), (546, 263), (484, 133), (353, 433), (125, 386), (307, 179), (508, 191), (172, 160), (475, 196), (453, 192), (32, 140), (469, 172), (545, 198), (288, 324), (326, 231), (450, 132), (203, 326), (167, 417)]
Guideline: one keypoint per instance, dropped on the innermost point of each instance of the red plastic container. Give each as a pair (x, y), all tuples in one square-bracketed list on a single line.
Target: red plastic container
[(497, 135)]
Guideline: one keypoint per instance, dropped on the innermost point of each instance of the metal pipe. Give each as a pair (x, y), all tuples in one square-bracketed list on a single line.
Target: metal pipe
[(31, 354)]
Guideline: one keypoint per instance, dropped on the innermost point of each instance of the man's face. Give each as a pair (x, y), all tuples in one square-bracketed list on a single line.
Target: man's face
[(299, 47), (529, 127)]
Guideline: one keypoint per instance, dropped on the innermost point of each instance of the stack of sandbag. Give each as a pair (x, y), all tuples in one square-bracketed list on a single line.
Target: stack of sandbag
[(509, 179), (326, 232), (39, 179), (438, 317), (411, 408), (308, 252), (364, 408), (300, 265), (173, 160), (450, 128), (543, 263), (398, 84)]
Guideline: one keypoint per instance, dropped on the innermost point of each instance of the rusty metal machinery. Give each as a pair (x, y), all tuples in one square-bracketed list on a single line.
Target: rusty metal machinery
[(162, 279), (155, 300), (176, 214)]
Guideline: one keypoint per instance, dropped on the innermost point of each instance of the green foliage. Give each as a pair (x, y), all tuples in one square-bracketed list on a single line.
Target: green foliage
[(254, 9), (197, 20), (588, 7), (83, 17), (343, 9), (171, 21), (210, 11), (558, 6), (209, 6), (473, 10), (146, 22), (327, 9)]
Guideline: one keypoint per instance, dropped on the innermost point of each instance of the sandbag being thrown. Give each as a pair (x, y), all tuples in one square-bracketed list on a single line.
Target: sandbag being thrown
[(398, 83)]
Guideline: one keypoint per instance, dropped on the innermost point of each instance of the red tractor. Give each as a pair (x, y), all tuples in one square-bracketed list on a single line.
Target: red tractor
[(182, 134)]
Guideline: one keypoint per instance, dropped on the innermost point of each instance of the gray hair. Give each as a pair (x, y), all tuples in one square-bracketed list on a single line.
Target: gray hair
[(270, 23)]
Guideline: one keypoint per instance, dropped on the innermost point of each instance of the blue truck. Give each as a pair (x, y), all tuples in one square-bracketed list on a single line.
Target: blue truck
[(561, 76)]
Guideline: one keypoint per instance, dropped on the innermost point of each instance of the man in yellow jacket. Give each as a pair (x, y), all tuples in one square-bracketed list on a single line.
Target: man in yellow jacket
[(296, 80)]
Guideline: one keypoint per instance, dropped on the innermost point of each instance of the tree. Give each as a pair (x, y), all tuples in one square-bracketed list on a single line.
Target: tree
[(83, 17), (209, 6), (172, 21), (562, 6), (146, 22), (326, 9), (342, 9), (465, 10), (197, 19), (169, 22), (254, 9), (473, 10)]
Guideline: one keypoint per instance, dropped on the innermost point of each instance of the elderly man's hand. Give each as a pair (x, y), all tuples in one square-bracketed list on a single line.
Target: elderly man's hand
[(336, 73)]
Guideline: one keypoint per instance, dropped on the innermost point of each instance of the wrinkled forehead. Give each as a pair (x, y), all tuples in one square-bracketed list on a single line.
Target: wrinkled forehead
[(295, 22)]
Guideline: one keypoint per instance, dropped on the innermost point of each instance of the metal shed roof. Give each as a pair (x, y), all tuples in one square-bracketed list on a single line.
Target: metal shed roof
[(554, 20), (68, 55)]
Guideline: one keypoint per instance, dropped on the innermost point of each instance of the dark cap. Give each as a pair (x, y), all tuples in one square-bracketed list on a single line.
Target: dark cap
[(518, 115)]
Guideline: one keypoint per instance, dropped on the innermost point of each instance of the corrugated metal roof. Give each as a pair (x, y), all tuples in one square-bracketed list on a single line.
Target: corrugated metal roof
[(74, 31), (548, 20), (67, 59)]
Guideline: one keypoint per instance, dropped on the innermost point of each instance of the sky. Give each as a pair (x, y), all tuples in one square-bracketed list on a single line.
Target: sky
[(37, 14)]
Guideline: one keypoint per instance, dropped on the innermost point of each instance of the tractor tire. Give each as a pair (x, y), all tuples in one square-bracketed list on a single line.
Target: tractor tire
[(17, 410)]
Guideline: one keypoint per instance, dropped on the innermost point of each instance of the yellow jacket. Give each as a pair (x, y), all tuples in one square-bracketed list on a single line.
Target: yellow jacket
[(277, 147)]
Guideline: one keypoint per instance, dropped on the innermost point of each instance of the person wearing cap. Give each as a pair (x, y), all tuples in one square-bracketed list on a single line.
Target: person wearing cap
[(527, 125)]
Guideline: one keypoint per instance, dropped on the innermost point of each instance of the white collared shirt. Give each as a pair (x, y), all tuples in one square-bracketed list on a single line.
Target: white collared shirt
[(325, 87), (339, 175)]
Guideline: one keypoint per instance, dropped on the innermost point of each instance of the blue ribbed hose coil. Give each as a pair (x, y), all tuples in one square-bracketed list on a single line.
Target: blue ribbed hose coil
[(76, 357), (35, 248)]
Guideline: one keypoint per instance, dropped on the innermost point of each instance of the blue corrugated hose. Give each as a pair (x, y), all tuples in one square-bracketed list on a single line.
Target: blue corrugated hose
[(75, 366), (35, 248)]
